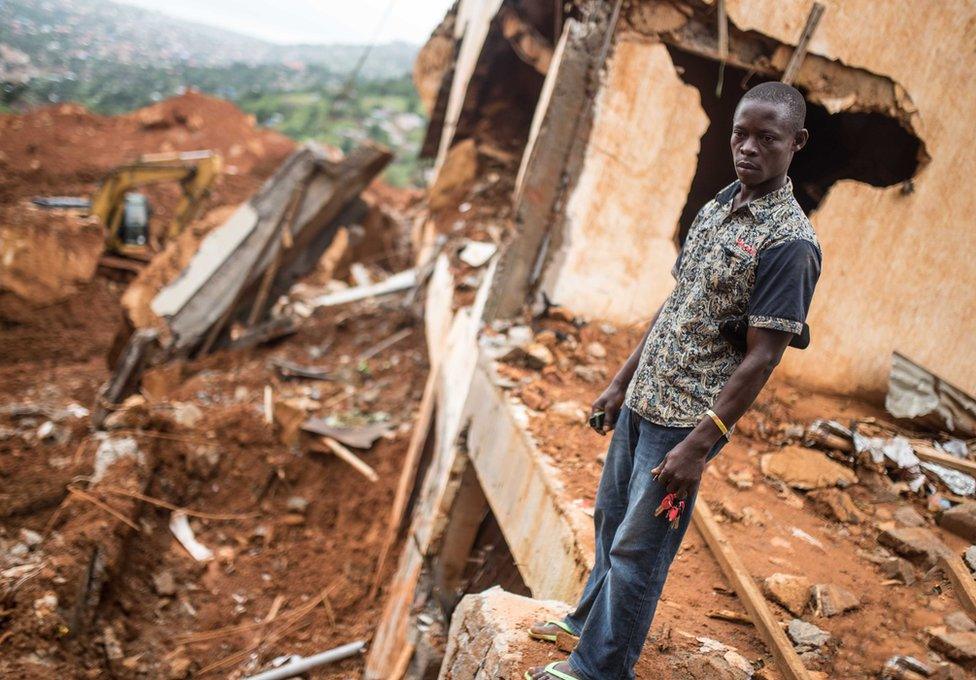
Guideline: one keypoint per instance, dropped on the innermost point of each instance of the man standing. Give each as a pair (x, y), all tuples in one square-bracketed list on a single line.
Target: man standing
[(744, 281)]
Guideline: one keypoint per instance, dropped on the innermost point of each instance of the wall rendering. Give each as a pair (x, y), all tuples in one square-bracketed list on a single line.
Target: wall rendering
[(898, 273)]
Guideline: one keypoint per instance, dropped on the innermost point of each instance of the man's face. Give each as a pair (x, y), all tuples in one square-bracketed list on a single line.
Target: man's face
[(763, 141)]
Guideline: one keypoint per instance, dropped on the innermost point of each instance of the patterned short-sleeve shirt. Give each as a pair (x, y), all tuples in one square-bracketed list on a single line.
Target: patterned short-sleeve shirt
[(757, 265)]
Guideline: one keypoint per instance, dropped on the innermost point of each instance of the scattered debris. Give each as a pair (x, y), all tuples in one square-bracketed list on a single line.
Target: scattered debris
[(266, 244), (831, 600), (179, 525), (958, 646), (352, 459), (806, 469), (805, 634), (917, 394), (837, 505), (914, 542), (357, 437), (298, 665), (110, 451), (393, 284), (289, 369), (791, 592), (970, 557), (960, 520), (477, 253), (164, 584), (900, 569)]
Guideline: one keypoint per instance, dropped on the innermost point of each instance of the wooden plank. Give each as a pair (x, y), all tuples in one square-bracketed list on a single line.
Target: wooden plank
[(813, 20), (125, 378), (962, 581), (408, 475), (752, 599), (946, 460), (351, 458), (284, 235)]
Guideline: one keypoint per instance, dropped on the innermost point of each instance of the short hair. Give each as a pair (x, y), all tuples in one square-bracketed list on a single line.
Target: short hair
[(781, 93)]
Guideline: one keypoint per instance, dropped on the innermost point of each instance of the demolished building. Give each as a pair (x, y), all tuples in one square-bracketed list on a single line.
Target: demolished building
[(613, 119)]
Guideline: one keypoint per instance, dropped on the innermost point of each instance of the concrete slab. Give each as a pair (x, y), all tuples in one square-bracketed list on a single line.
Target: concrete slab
[(489, 638), (550, 538)]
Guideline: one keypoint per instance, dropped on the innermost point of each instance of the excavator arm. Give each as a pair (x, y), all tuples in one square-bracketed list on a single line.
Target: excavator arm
[(196, 172)]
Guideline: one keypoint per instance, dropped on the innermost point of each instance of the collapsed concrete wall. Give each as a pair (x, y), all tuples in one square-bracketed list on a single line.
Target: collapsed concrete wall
[(891, 277)]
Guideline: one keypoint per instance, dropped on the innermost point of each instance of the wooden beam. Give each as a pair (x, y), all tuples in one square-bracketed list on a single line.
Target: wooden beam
[(962, 581), (351, 458), (945, 460), (813, 20), (126, 375), (752, 599), (408, 474)]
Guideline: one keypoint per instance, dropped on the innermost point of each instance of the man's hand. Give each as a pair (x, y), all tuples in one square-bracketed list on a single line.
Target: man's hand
[(682, 467), (610, 403)]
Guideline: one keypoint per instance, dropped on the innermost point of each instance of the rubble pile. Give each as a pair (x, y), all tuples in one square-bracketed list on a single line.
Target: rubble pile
[(793, 488), (230, 496)]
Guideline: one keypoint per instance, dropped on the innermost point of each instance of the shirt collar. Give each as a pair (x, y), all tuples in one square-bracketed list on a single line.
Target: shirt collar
[(760, 207)]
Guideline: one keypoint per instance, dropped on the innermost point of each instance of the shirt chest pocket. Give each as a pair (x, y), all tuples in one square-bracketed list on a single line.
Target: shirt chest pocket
[(730, 273)]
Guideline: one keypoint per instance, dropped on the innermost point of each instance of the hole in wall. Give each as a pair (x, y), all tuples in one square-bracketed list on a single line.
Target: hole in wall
[(491, 562), (868, 147)]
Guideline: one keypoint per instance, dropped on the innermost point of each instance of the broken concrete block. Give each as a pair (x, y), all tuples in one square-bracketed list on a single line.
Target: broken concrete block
[(805, 634), (596, 350), (908, 516), (741, 479), (488, 632), (970, 557), (110, 452), (958, 646), (899, 568), (958, 621), (914, 542), (186, 414), (837, 505), (806, 469), (791, 592), (960, 520), (533, 355), (164, 584), (830, 600), (713, 667), (455, 177), (569, 412)]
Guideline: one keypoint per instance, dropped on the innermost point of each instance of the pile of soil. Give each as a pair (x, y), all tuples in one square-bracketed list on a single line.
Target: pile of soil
[(66, 149), (310, 522)]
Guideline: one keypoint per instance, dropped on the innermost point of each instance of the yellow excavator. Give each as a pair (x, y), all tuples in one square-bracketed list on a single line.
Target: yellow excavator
[(126, 213)]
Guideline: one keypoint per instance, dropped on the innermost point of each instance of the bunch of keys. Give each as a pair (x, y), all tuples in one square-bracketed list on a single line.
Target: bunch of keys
[(673, 506)]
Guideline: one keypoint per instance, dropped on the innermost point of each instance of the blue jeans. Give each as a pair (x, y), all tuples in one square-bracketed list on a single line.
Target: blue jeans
[(634, 550)]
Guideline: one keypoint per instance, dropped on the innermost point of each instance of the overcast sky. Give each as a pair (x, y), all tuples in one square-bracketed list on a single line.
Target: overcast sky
[(312, 21)]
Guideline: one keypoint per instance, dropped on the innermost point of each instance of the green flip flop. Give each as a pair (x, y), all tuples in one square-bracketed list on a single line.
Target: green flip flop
[(552, 638), (551, 670)]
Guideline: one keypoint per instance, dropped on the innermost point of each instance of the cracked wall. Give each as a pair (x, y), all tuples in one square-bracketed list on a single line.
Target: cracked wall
[(893, 276)]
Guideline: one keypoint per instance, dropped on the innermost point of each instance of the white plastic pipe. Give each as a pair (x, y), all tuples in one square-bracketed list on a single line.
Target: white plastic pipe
[(300, 666)]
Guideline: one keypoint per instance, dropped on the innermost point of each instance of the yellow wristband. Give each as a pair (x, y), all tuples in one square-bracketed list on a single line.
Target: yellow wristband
[(719, 424)]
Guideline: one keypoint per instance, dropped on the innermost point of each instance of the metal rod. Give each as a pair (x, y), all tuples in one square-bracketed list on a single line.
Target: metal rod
[(308, 663)]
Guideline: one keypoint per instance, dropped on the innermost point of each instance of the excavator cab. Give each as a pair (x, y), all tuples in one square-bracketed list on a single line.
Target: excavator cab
[(135, 220)]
